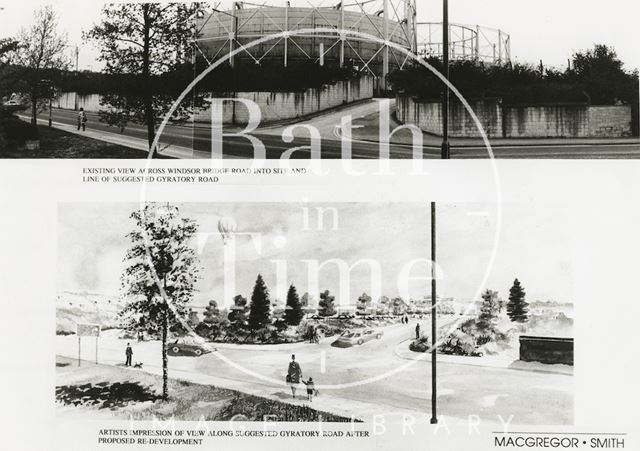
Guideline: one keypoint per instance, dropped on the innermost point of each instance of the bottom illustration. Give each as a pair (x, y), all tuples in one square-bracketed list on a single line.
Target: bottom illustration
[(304, 312)]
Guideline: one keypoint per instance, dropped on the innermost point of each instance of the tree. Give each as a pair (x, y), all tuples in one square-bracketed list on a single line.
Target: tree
[(486, 322), (517, 307), (193, 319), (212, 324), (161, 272), (211, 313), (144, 40), (239, 311), (260, 308), (601, 74), (326, 305), (398, 306), (364, 302), (293, 311), (305, 299), (40, 48)]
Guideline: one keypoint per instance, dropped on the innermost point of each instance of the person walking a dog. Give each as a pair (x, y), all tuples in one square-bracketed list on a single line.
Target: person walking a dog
[(129, 353)]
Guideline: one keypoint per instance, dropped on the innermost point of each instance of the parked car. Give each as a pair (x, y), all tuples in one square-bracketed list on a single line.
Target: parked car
[(357, 337), (187, 348), (345, 316)]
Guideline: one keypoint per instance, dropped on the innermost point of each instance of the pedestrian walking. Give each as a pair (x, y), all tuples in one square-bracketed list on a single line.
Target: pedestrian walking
[(82, 119), (311, 388), (129, 353), (294, 375), (417, 331)]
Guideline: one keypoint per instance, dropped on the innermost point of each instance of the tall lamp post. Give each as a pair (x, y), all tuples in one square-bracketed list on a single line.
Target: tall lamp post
[(445, 155)]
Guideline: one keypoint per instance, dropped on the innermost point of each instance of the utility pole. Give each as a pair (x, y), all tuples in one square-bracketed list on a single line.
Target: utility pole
[(445, 155), (75, 101), (445, 97)]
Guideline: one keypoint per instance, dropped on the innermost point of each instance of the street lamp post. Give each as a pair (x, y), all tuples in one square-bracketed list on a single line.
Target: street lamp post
[(445, 155), (445, 95), (434, 418)]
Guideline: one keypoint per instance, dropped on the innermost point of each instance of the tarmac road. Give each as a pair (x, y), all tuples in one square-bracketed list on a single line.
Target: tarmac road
[(365, 119), (370, 373)]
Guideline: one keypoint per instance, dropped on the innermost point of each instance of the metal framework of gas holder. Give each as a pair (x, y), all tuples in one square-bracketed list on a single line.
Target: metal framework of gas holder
[(394, 21), (472, 42)]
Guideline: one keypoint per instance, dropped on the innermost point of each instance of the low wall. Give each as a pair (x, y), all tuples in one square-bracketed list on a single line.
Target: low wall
[(67, 101), (276, 106), (428, 117), (546, 349), (519, 121)]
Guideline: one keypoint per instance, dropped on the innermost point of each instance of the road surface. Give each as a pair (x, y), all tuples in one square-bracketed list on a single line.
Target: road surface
[(371, 373), (364, 143)]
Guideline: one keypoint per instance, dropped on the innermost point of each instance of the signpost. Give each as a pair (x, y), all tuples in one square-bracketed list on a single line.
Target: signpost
[(87, 330)]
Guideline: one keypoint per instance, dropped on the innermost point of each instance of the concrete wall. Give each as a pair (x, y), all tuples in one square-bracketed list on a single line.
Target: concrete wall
[(66, 100), (514, 121), (546, 350), (428, 116), (276, 106)]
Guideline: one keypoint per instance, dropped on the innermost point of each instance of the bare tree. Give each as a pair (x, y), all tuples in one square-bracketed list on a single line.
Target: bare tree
[(41, 48)]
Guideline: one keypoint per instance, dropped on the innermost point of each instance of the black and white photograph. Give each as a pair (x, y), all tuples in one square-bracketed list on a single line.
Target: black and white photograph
[(350, 79), (314, 312)]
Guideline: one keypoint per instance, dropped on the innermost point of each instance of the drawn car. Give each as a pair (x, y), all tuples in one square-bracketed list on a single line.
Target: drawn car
[(359, 337), (186, 348)]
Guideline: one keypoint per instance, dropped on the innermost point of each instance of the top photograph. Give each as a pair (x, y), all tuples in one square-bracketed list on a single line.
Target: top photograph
[(319, 79)]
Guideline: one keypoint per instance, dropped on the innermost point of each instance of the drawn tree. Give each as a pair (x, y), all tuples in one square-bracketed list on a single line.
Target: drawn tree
[(488, 316), (260, 306), (364, 302), (517, 307), (293, 311), (326, 305), (147, 41), (161, 271), (40, 48)]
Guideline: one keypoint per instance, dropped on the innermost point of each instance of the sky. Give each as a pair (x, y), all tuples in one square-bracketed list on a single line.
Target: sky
[(534, 245), (547, 30)]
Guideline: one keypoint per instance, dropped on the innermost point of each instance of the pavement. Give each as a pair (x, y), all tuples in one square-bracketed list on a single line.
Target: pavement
[(194, 140), (361, 381)]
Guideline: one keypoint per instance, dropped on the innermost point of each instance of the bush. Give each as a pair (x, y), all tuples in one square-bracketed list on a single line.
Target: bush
[(420, 345), (459, 343)]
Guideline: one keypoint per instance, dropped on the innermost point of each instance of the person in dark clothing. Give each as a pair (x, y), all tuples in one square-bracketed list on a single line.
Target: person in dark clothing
[(417, 331), (129, 354), (82, 119), (294, 375)]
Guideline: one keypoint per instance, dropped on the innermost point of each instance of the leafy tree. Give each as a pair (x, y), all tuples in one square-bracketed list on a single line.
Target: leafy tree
[(602, 76), (305, 299), (326, 305), (161, 272), (364, 302), (211, 313), (260, 308), (486, 322), (239, 311), (398, 306), (517, 307), (213, 322), (144, 40), (41, 48), (293, 312), (193, 319)]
